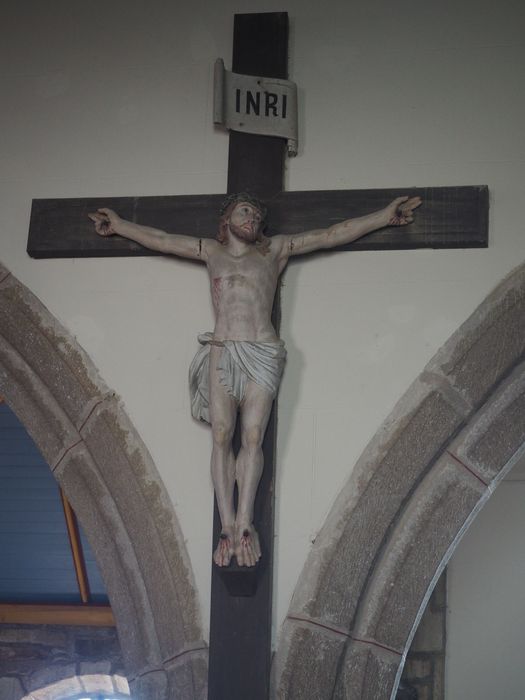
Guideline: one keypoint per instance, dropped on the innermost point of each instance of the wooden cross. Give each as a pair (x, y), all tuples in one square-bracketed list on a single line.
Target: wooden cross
[(450, 217)]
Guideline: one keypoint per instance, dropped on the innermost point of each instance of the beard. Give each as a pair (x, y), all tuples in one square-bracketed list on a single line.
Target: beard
[(249, 235)]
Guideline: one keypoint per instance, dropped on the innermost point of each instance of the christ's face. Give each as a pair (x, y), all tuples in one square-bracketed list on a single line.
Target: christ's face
[(245, 222)]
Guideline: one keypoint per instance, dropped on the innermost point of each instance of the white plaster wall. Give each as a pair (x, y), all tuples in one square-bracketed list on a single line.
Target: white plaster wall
[(114, 98), (486, 600)]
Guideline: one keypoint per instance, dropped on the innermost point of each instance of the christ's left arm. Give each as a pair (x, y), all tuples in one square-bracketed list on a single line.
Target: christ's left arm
[(398, 213)]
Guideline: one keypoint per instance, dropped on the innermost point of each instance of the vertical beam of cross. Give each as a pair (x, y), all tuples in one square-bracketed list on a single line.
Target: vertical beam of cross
[(240, 625)]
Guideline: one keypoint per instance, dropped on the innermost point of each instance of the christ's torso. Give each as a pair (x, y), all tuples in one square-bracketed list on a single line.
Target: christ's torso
[(243, 288)]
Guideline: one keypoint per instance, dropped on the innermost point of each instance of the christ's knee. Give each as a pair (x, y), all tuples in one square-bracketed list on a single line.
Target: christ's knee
[(252, 437), (222, 434)]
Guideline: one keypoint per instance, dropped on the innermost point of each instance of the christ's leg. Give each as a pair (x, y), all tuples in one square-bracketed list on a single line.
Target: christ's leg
[(223, 414), (255, 411)]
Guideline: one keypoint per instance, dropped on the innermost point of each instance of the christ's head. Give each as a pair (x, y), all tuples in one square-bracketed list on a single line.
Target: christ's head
[(244, 216)]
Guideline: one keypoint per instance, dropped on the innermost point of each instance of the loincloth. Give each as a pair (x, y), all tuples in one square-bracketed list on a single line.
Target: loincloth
[(240, 362)]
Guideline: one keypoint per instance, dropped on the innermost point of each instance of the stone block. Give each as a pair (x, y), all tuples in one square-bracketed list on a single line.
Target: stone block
[(311, 667), (21, 654), (424, 692), (151, 686), (10, 688), (188, 678), (99, 683), (52, 353), (35, 406), (172, 601), (25, 634), (153, 494), (418, 667), (95, 668), (489, 344), (53, 674), (438, 685), (422, 537), (121, 684), (98, 646), (497, 432), (367, 673), (420, 427)]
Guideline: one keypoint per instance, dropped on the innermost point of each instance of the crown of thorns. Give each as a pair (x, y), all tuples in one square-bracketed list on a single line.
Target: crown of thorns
[(233, 199)]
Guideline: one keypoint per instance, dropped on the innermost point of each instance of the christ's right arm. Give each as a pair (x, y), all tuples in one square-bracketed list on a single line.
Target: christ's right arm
[(108, 223)]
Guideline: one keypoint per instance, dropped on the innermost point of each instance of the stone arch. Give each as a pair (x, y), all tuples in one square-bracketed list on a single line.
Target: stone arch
[(412, 494), (80, 685), (106, 472)]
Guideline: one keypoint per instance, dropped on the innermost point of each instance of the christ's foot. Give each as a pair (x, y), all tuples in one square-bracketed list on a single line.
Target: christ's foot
[(224, 552), (247, 548)]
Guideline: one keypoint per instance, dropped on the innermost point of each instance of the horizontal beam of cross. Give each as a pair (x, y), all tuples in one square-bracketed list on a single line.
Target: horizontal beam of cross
[(450, 217)]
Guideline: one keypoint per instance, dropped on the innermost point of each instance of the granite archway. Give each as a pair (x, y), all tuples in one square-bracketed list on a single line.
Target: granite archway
[(107, 474), (411, 496)]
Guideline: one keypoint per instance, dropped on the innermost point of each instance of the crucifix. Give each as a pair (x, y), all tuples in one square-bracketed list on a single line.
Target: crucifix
[(456, 217)]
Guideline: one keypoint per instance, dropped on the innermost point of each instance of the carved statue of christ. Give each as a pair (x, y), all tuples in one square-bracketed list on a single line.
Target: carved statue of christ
[(239, 366)]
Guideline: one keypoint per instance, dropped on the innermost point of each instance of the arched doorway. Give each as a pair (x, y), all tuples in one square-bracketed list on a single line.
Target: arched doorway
[(107, 474), (428, 471)]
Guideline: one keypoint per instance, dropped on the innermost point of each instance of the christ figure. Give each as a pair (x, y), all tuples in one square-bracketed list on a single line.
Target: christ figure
[(239, 366)]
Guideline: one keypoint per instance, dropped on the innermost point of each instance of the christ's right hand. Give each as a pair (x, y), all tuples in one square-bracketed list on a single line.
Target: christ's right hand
[(401, 211)]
